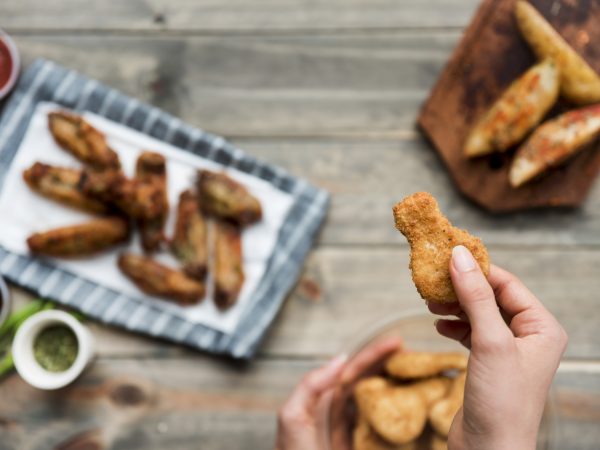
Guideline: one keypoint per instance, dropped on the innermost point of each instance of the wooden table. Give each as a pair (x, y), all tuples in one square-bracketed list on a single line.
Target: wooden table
[(328, 89)]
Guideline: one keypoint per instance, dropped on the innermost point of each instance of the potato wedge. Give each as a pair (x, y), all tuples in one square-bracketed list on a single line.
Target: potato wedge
[(520, 108), (553, 142), (579, 83)]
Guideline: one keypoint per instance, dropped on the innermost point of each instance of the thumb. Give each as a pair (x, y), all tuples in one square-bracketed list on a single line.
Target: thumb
[(476, 296)]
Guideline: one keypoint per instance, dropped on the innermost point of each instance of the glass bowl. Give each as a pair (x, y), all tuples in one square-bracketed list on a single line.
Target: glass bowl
[(417, 331)]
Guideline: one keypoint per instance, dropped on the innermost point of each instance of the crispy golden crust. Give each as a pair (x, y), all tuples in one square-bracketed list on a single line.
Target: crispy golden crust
[(443, 411), (228, 264), (432, 389), (82, 140), (80, 240), (579, 82), (365, 438), (553, 143), (151, 169), (396, 413), (61, 184), (190, 241), (227, 199), (139, 201), (520, 108), (432, 237), (410, 365), (158, 280)]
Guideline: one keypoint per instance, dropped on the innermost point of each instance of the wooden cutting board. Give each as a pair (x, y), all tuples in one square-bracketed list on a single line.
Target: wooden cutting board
[(490, 56)]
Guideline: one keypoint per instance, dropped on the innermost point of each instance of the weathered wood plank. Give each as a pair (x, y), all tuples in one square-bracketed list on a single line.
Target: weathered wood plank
[(356, 288), (236, 15), (199, 402), (367, 177), (265, 86)]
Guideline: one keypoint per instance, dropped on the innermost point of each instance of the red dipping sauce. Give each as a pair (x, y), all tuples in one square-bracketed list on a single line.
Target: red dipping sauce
[(9, 64)]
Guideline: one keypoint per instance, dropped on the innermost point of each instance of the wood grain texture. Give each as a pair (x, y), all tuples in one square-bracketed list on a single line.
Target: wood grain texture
[(234, 16), (357, 288), (353, 85), (199, 402), (490, 56)]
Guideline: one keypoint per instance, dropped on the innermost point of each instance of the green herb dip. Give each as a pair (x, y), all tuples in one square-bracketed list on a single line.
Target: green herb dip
[(55, 348)]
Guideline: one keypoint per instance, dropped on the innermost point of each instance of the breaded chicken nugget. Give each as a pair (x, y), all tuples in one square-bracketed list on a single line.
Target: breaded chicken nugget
[(365, 438), (396, 413), (432, 237), (80, 240), (82, 140), (520, 108), (155, 279), (438, 442), (579, 82), (443, 411), (432, 389), (410, 365), (62, 185)]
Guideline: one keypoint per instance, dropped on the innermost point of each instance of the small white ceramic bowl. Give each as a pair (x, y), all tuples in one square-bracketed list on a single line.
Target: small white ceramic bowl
[(23, 353), (16, 64), (5, 302)]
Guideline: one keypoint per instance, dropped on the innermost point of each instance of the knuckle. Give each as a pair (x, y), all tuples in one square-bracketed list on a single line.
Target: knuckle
[(479, 294)]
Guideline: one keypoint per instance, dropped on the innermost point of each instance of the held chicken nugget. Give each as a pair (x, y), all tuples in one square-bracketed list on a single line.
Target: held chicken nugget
[(151, 169), (365, 438), (82, 140), (155, 279), (80, 240), (228, 264), (520, 108), (62, 185), (432, 237), (410, 365), (189, 243), (579, 83), (553, 143), (443, 411), (227, 199)]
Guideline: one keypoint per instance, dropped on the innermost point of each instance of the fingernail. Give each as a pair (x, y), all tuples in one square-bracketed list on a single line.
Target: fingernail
[(462, 260)]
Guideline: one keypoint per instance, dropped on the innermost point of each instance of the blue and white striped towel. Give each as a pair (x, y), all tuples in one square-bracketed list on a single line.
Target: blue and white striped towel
[(46, 81)]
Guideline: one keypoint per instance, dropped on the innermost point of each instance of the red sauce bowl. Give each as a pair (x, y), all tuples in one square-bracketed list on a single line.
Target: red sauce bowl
[(9, 64)]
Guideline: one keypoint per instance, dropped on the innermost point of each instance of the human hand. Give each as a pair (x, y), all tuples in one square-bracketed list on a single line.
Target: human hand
[(516, 345), (302, 422)]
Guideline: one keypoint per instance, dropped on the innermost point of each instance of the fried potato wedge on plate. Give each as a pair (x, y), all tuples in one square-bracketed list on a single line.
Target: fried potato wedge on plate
[(62, 184), (156, 279), (80, 240), (554, 142), (579, 83), (520, 108), (82, 140)]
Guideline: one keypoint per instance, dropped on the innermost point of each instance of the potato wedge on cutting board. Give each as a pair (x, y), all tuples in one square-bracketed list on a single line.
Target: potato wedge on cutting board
[(553, 142), (579, 83), (520, 108)]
